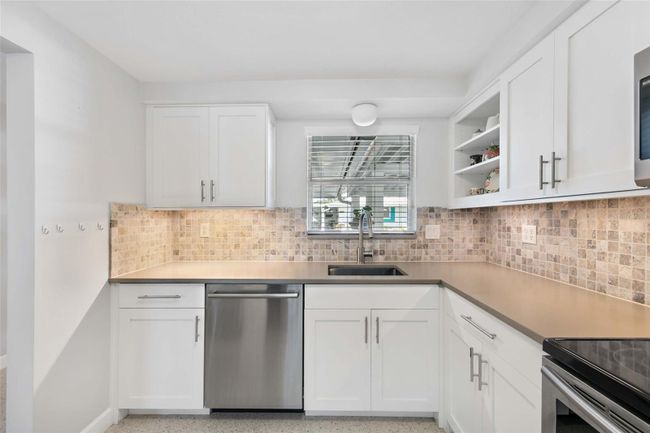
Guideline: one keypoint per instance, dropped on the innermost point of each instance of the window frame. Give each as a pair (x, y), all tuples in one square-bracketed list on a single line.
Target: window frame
[(410, 130)]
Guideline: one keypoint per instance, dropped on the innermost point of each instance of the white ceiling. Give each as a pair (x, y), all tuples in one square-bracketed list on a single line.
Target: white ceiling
[(290, 40)]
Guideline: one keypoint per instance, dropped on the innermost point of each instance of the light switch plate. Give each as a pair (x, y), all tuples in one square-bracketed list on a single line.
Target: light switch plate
[(529, 234), (205, 230), (432, 231)]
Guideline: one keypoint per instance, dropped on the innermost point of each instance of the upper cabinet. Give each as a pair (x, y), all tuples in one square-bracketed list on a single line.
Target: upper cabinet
[(527, 108), (567, 110), (202, 156), (594, 95)]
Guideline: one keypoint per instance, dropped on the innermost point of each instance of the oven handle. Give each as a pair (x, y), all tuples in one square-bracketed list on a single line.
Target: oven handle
[(594, 417), (254, 295)]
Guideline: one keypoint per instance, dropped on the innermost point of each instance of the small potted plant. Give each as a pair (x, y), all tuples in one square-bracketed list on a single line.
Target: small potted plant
[(491, 152)]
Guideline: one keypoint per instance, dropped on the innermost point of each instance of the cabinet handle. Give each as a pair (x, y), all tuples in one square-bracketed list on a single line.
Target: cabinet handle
[(481, 384), (377, 338), (472, 375), (541, 172), (196, 329), (469, 320), (366, 335), (554, 160), (202, 191), (159, 297), (212, 190)]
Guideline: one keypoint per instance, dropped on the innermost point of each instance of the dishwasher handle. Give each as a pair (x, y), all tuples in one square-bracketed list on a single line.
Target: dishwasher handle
[(254, 295)]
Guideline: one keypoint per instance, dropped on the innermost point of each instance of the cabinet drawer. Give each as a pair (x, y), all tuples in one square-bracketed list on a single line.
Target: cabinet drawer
[(162, 295), (372, 296), (522, 353)]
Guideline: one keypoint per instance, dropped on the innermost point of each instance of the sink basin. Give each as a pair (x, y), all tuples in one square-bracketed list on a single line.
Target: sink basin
[(390, 270)]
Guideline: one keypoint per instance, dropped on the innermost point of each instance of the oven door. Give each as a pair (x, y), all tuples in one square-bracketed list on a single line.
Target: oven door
[(569, 405)]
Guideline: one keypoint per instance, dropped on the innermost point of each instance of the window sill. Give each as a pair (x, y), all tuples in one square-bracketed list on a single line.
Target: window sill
[(353, 235)]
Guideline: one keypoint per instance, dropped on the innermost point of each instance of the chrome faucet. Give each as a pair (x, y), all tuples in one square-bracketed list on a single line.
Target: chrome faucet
[(362, 254)]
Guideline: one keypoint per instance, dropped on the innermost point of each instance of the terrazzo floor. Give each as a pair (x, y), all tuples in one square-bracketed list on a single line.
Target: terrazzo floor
[(270, 423)]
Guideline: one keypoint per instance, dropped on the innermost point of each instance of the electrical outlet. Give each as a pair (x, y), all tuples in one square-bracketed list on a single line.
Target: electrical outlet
[(529, 234), (205, 230), (432, 231)]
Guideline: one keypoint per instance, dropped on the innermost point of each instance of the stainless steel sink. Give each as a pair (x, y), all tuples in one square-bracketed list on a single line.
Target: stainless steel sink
[(385, 270)]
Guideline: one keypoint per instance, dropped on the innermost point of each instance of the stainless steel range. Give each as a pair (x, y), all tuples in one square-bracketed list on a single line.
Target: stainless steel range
[(591, 385), (253, 346)]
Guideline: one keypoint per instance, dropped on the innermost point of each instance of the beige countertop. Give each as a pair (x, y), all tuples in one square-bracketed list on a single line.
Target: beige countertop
[(536, 306)]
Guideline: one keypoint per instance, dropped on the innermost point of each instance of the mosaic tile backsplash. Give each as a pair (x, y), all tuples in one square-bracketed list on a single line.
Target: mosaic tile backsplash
[(277, 234), (601, 245)]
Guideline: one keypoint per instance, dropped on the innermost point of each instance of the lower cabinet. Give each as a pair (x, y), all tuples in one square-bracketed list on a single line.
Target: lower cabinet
[(486, 393), (464, 405), (337, 360), (404, 360), (160, 350), (371, 360)]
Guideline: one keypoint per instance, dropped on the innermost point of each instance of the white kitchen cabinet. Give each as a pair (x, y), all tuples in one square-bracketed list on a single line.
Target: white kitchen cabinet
[(210, 156), (238, 154), (177, 146), (160, 358), (362, 357), (527, 123), (493, 373), (594, 95), (337, 360), (464, 404), (512, 403), (404, 359)]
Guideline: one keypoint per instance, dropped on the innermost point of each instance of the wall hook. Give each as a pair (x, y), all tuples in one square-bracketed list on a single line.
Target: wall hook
[(45, 230), (59, 228), (100, 227), (82, 227)]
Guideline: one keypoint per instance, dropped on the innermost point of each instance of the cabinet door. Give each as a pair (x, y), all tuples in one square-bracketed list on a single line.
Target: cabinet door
[(238, 160), (512, 404), (161, 359), (527, 122), (463, 399), (337, 360), (405, 360), (177, 152), (594, 111)]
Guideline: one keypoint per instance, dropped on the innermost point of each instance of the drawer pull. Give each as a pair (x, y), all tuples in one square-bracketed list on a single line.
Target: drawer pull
[(469, 320), (159, 297)]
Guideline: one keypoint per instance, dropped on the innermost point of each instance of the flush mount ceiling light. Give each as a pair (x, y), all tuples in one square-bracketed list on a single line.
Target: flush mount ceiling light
[(364, 114)]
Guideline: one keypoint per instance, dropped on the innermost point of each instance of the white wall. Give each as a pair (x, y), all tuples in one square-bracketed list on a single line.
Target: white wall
[(431, 158), (3, 206), (89, 151)]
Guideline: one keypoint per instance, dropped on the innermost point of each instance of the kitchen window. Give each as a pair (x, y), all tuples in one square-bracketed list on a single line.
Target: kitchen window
[(350, 173)]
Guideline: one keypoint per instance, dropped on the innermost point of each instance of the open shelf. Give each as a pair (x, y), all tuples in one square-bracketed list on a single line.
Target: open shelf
[(484, 167), (481, 200), (481, 141)]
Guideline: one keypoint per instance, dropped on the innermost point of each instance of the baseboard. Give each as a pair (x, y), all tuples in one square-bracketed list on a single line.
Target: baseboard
[(371, 414), (169, 411), (3, 362), (101, 423)]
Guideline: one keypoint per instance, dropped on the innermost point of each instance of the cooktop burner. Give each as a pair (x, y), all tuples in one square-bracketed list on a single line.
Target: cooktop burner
[(620, 368)]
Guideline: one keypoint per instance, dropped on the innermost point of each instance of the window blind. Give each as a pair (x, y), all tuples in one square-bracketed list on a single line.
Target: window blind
[(348, 174)]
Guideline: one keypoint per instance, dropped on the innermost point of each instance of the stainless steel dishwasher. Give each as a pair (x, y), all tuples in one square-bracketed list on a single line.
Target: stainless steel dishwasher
[(253, 346)]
